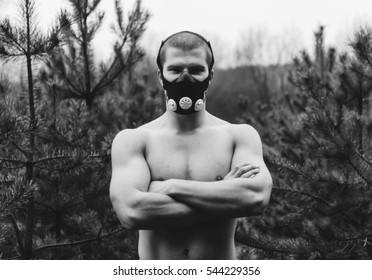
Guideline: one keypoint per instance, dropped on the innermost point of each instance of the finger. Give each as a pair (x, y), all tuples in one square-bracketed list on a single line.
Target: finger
[(250, 173), (235, 169), (239, 170), (246, 169), (238, 166)]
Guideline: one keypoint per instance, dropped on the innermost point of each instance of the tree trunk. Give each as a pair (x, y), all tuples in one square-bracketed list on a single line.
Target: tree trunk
[(29, 165), (360, 112), (89, 103), (84, 47)]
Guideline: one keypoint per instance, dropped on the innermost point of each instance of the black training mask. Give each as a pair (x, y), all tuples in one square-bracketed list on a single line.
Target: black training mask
[(185, 94)]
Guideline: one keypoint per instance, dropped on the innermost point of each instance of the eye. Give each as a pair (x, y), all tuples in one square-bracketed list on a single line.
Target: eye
[(196, 70), (174, 69)]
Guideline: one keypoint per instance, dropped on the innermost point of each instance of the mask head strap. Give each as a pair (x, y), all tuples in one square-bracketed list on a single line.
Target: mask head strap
[(158, 62)]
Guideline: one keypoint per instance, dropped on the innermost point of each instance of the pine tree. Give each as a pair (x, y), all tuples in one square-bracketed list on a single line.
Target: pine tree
[(81, 136), (14, 190), (26, 42), (321, 161), (68, 213), (75, 68)]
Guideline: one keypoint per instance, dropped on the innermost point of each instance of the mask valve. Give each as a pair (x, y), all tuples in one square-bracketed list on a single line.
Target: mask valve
[(199, 105)]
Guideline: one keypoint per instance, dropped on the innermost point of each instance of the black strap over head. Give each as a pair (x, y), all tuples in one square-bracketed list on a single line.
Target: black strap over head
[(158, 62)]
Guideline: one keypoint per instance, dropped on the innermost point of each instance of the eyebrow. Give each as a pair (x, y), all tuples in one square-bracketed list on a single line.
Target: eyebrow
[(181, 65)]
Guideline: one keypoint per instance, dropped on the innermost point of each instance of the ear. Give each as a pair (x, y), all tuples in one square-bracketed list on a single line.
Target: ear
[(159, 77), (212, 74)]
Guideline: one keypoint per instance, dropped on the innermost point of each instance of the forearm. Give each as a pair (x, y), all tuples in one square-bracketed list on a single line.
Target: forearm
[(232, 198), (154, 210)]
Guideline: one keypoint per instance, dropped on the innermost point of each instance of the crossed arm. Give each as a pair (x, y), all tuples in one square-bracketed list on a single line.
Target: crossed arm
[(135, 206), (142, 204)]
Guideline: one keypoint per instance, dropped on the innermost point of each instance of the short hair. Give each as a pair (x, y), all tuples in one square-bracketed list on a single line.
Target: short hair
[(186, 41)]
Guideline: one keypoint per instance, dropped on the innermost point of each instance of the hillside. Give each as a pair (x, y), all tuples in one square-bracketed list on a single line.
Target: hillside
[(233, 87)]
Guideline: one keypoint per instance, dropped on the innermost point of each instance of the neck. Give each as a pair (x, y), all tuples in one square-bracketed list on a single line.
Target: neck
[(186, 123)]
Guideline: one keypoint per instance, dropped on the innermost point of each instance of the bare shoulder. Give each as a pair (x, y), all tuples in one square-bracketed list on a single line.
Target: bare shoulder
[(134, 139), (137, 135), (245, 134), (215, 121), (243, 130), (129, 140), (153, 125), (239, 132)]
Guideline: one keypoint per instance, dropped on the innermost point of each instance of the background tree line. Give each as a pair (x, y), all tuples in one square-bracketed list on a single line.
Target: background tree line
[(57, 125)]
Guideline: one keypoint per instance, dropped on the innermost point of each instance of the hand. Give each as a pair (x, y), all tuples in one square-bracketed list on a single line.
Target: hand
[(245, 170), (161, 187)]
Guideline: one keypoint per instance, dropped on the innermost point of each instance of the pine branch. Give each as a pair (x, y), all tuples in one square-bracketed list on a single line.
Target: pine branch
[(76, 243), (14, 161), (25, 153), (365, 236), (85, 200), (77, 93), (293, 170), (103, 225), (9, 57), (101, 85), (262, 247), (50, 158), (6, 29), (15, 196), (362, 156), (317, 198), (17, 233), (15, 167), (358, 171), (118, 48), (361, 73), (91, 8)]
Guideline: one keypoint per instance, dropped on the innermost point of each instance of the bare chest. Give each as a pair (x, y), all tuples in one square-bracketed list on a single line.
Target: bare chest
[(203, 156)]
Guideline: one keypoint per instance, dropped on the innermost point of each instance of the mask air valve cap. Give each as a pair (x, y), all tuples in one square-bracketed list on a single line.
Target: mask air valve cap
[(199, 105), (172, 105), (185, 103)]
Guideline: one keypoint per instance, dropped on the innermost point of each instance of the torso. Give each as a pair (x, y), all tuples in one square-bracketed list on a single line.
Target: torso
[(204, 155)]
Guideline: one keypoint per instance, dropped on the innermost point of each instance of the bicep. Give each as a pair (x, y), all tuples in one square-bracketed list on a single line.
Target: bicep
[(248, 149), (130, 172)]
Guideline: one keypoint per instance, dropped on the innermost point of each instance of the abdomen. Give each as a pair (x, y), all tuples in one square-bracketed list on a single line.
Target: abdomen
[(214, 240)]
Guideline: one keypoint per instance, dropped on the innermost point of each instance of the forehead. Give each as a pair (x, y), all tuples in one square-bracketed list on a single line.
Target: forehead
[(178, 56)]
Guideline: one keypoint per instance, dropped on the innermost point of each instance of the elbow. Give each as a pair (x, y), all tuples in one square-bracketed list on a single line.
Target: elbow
[(261, 205), (265, 196), (128, 215), (261, 200), (129, 218), (258, 207)]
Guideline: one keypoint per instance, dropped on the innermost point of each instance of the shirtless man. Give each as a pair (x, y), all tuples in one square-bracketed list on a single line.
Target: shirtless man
[(184, 178)]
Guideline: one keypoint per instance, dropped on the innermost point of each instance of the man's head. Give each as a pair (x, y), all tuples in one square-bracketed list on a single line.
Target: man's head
[(185, 41), (185, 62)]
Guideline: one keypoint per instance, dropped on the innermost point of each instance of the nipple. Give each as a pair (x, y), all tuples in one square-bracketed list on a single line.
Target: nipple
[(218, 178)]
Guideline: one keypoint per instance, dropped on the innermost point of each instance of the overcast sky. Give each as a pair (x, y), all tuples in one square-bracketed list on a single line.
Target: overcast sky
[(226, 22)]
